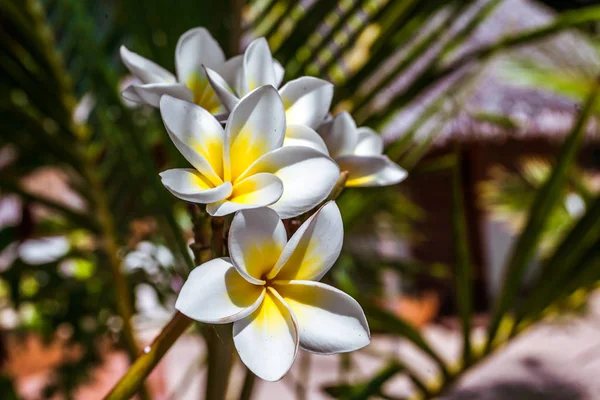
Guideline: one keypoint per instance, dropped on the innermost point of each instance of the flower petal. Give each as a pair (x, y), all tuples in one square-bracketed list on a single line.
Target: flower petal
[(301, 135), (216, 294), (329, 321), (147, 71), (233, 73), (371, 170), (195, 48), (314, 247), (189, 185), (130, 93), (255, 127), (369, 143), (279, 72), (306, 100), (307, 175), (258, 66), (203, 92), (267, 340), (256, 239), (339, 134), (152, 92), (196, 134), (222, 89), (259, 190)]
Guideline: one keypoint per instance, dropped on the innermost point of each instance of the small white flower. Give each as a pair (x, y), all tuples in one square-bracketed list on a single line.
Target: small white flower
[(306, 99), (195, 48), (269, 289), (359, 151), (244, 165)]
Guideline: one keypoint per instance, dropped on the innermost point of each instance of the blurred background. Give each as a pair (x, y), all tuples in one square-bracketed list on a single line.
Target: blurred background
[(477, 273)]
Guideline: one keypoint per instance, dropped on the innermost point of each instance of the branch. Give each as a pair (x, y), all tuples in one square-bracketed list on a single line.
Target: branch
[(137, 373)]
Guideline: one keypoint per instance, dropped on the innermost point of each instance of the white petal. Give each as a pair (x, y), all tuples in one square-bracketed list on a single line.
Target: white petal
[(339, 134), (255, 127), (301, 135), (267, 340), (279, 72), (233, 73), (256, 239), (152, 92), (258, 66), (147, 71), (314, 247), (259, 190), (215, 293), (369, 143), (329, 321), (307, 175), (130, 93), (222, 89), (371, 171), (306, 100), (196, 134), (195, 48), (189, 185)]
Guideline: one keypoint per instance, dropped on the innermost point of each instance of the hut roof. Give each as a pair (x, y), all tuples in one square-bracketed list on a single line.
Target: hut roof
[(503, 104)]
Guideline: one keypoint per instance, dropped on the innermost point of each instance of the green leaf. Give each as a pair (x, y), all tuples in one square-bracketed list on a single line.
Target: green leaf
[(464, 270), (366, 390), (559, 268), (546, 198), (389, 323)]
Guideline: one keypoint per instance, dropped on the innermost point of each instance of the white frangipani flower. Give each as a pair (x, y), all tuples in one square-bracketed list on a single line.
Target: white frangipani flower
[(244, 165), (360, 152), (306, 99), (269, 289), (195, 48)]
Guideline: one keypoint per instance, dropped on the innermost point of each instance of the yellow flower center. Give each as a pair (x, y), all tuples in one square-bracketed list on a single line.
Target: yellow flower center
[(204, 94)]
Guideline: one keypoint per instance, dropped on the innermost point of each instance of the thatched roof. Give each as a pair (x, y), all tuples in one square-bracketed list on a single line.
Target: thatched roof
[(525, 112)]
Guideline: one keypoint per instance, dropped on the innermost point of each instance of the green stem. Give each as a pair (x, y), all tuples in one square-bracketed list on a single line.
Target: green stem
[(462, 259), (248, 385), (303, 377), (339, 186), (220, 360), (218, 337), (122, 294), (141, 368)]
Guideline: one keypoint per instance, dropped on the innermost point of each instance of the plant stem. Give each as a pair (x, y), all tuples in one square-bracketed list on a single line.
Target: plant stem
[(137, 373), (339, 186), (220, 360), (142, 367), (218, 337), (202, 242), (248, 385), (462, 259), (302, 380)]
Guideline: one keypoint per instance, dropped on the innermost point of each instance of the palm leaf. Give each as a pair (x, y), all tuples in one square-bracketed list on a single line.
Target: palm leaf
[(544, 202)]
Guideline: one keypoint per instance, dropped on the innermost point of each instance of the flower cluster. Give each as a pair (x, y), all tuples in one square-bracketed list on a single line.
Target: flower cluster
[(265, 153)]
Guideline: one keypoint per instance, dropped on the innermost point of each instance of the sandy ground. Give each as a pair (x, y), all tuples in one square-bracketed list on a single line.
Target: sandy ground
[(554, 361)]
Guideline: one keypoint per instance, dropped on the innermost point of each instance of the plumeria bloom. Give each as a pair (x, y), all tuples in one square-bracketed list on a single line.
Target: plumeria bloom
[(195, 48), (244, 165), (306, 99), (270, 290), (360, 152)]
